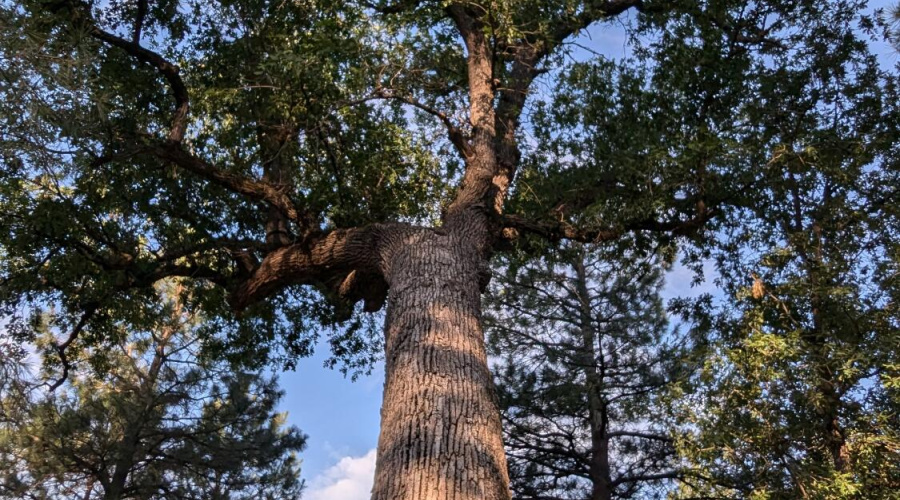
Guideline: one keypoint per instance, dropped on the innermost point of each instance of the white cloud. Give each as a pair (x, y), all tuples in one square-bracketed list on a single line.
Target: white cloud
[(350, 479)]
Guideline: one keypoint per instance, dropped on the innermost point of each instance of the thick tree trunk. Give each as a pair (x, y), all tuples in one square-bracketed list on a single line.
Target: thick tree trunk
[(440, 424)]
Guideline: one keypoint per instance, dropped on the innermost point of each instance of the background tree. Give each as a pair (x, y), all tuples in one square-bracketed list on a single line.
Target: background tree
[(799, 396), (274, 154), (803, 365), (586, 352), (150, 420)]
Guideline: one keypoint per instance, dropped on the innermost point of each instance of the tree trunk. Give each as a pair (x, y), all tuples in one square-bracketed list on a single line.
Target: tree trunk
[(833, 432), (120, 473), (599, 421), (440, 423)]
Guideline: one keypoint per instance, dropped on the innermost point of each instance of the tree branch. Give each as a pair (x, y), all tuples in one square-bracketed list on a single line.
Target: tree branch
[(555, 231), (254, 189), (139, 21), (642, 435), (168, 70), (86, 316), (336, 254), (671, 474), (392, 8), (456, 135)]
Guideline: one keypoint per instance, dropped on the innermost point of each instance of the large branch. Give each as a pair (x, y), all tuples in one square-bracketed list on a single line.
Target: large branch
[(251, 188), (495, 123), (168, 70), (555, 231), (527, 53), (342, 255), (509, 110), (479, 63), (481, 185), (692, 214), (637, 434)]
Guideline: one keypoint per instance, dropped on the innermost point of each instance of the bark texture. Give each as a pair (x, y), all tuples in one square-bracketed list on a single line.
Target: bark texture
[(441, 433), (440, 430)]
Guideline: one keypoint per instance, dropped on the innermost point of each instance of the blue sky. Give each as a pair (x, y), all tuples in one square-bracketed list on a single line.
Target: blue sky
[(342, 417)]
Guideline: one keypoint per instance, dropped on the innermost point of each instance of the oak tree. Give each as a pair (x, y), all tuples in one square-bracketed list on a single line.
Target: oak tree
[(301, 163)]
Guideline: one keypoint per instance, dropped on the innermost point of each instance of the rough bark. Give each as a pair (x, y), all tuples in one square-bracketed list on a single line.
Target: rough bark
[(340, 253), (440, 429), (440, 435)]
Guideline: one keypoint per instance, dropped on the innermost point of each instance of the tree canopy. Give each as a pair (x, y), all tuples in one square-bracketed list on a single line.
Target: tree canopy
[(337, 116), (303, 163)]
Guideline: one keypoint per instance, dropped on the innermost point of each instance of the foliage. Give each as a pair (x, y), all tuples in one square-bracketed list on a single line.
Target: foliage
[(351, 111), (798, 397), (585, 354), (150, 421), (74, 206), (792, 141), (213, 142)]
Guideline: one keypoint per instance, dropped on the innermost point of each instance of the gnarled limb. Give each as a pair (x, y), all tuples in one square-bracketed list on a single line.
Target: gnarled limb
[(338, 254), (252, 188), (89, 311)]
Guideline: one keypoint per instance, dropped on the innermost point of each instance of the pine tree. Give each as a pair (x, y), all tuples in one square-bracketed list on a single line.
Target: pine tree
[(586, 353), (147, 419)]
